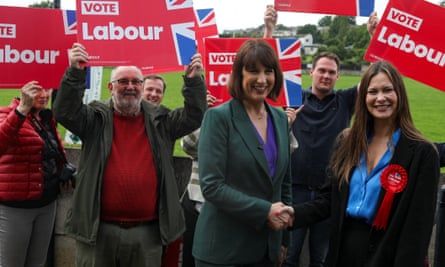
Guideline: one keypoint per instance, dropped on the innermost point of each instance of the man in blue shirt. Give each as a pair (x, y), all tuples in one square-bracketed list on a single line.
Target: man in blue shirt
[(325, 114)]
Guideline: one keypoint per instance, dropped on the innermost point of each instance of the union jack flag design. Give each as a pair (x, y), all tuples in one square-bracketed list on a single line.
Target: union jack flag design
[(69, 21), (205, 17), (186, 42), (289, 54), (219, 56), (178, 4), (337, 7), (365, 7), (184, 39), (205, 27)]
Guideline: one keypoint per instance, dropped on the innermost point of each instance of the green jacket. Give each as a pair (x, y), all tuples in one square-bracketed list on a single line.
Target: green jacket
[(93, 123), (238, 188)]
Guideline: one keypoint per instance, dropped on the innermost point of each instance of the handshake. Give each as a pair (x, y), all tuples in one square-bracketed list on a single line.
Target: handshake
[(280, 216)]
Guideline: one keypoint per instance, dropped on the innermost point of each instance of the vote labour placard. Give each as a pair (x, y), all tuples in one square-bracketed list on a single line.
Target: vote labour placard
[(220, 55), (410, 36), (336, 7), (34, 45), (205, 27), (123, 33)]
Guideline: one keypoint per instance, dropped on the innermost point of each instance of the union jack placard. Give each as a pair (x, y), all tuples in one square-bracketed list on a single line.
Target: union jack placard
[(120, 32), (204, 27), (335, 7), (220, 54)]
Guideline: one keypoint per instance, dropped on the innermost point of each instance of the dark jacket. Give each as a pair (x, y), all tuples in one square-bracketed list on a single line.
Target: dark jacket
[(406, 239), (441, 149), (93, 123), (238, 188)]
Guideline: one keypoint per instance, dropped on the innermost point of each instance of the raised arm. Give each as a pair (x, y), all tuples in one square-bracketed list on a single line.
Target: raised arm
[(373, 21), (270, 21)]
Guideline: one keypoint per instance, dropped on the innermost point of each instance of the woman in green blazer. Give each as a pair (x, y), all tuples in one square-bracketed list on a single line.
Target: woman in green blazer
[(244, 167)]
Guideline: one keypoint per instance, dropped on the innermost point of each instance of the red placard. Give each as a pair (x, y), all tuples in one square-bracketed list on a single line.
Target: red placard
[(34, 45), (220, 54), (336, 7), (205, 26), (410, 36), (137, 32)]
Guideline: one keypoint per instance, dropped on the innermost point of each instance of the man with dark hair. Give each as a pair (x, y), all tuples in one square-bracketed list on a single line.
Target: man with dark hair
[(154, 89)]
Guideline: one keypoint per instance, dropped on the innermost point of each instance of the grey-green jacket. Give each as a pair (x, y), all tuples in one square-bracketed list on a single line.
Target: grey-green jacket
[(93, 123)]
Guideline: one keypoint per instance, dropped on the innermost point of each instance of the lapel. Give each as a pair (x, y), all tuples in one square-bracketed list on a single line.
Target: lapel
[(282, 141), (246, 130), (402, 156)]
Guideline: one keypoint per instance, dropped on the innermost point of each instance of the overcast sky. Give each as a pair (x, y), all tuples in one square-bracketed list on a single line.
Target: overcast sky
[(234, 14)]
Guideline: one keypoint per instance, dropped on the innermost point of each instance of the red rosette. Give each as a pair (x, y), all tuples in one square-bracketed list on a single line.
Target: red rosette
[(393, 179)]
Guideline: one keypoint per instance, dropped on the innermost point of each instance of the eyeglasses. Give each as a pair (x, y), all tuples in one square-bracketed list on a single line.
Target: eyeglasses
[(127, 81)]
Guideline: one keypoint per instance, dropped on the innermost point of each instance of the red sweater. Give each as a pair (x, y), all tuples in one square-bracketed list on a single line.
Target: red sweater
[(130, 183)]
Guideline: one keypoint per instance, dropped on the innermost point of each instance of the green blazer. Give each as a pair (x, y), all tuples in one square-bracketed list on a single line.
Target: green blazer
[(237, 186)]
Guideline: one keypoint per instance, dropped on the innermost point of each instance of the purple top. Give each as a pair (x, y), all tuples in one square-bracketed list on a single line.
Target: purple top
[(270, 147)]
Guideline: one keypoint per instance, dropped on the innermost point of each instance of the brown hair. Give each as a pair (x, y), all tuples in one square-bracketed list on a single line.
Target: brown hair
[(156, 77), (328, 55), (355, 143), (250, 53)]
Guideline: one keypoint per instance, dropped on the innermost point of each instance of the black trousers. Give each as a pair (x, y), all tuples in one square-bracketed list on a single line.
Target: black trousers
[(355, 243), (191, 216)]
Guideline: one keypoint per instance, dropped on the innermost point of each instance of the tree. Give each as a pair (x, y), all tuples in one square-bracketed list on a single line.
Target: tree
[(442, 3), (325, 21), (311, 29), (43, 4), (339, 26)]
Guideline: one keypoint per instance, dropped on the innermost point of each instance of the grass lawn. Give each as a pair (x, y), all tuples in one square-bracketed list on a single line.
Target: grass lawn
[(427, 104)]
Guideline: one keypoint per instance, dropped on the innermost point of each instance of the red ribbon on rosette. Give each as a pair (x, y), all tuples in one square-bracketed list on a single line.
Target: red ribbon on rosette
[(393, 179)]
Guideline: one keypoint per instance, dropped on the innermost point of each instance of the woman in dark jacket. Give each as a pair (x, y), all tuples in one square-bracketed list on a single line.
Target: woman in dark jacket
[(30, 163), (244, 167), (384, 174)]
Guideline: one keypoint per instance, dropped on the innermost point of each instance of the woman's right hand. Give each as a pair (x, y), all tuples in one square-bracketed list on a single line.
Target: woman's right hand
[(280, 216), (27, 95)]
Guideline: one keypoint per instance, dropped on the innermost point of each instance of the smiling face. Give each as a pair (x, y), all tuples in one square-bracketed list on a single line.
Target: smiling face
[(381, 98), (257, 83), (126, 88), (153, 91), (255, 71)]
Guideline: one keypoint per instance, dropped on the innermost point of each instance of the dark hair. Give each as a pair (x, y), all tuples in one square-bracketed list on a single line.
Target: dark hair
[(156, 77), (355, 142), (251, 53), (326, 54)]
